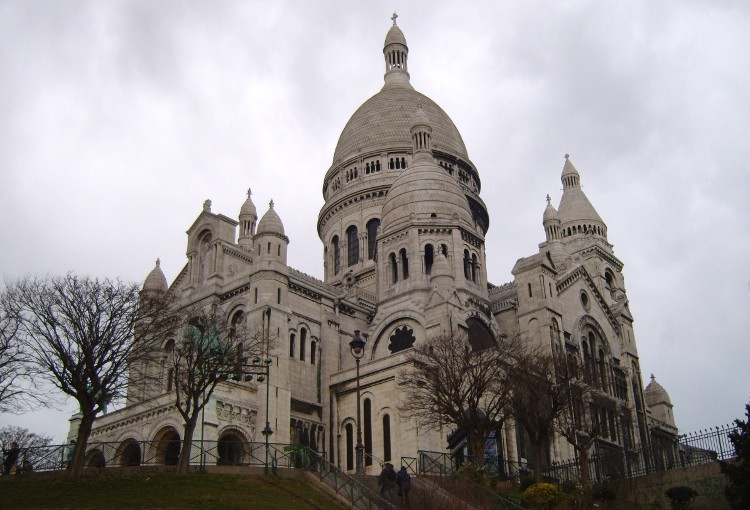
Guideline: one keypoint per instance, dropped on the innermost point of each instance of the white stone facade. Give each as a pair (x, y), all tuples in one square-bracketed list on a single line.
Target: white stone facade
[(403, 226)]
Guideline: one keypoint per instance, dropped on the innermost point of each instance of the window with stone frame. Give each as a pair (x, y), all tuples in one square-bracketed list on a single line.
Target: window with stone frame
[(352, 240), (401, 339)]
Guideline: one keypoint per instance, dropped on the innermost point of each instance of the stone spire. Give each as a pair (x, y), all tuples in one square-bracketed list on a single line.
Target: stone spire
[(551, 221), (155, 282)]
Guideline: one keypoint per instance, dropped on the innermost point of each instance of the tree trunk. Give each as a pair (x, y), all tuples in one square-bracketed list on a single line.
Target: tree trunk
[(538, 451), (583, 454), (477, 449), (79, 453), (183, 464)]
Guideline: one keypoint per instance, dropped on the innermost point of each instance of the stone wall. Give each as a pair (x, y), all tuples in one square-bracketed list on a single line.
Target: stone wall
[(705, 479)]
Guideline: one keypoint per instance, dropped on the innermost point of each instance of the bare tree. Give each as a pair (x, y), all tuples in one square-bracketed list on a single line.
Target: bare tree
[(210, 350), (450, 382), (81, 334), (32, 444), (16, 381), (541, 390), (580, 423)]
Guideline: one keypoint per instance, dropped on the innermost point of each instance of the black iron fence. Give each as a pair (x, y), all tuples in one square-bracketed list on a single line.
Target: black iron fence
[(606, 461)]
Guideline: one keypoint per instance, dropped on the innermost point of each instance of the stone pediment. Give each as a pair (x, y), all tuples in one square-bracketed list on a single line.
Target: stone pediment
[(579, 273)]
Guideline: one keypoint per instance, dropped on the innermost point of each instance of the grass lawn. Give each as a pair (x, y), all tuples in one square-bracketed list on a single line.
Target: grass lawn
[(162, 490)]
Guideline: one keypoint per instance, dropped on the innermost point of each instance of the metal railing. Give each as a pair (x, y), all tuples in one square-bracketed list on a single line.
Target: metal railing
[(442, 469)]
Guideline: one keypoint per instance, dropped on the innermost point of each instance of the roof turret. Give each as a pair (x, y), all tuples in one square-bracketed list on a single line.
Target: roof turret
[(550, 213), (270, 223), (656, 394), (396, 54), (576, 212), (248, 208)]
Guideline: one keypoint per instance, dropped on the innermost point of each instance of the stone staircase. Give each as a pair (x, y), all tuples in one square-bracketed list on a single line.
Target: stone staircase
[(424, 494)]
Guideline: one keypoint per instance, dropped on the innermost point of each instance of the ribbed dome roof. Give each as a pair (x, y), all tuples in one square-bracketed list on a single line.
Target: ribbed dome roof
[(156, 281), (424, 190), (655, 393), (382, 123), (395, 35), (248, 208), (550, 213), (270, 223)]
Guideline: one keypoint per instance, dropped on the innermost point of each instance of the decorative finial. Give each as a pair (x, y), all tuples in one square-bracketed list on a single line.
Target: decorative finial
[(249, 192), (394, 18), (270, 204), (207, 205), (567, 156), (652, 377), (549, 200), (158, 262)]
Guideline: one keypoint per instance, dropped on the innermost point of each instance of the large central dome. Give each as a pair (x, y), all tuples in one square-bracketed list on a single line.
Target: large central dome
[(383, 121)]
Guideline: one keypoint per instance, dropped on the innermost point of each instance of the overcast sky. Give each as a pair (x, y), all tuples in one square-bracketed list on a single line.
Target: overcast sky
[(118, 119)]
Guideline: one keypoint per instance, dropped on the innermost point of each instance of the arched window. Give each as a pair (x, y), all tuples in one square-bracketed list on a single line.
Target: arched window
[(394, 267), (467, 265), (474, 267), (336, 255), (368, 431), (386, 438), (302, 340), (313, 347), (352, 240), (444, 250), (292, 338), (404, 264), (372, 238), (429, 258), (349, 447)]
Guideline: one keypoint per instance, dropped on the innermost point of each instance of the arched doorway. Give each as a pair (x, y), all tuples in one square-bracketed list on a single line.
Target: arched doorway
[(167, 445), (129, 453), (95, 459), (231, 449)]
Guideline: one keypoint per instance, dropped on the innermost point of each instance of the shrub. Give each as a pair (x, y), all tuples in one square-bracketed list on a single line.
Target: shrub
[(541, 496), (602, 492), (474, 473), (680, 496)]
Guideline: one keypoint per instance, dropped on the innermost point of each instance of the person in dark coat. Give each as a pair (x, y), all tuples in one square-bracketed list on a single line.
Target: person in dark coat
[(11, 457), (404, 485), (387, 481)]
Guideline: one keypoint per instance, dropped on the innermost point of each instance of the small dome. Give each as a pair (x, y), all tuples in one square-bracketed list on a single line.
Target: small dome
[(156, 281), (248, 208), (270, 223), (550, 213), (425, 193), (394, 36), (655, 394)]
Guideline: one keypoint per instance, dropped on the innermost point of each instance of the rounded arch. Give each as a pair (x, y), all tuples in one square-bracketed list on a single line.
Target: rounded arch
[(480, 335), (232, 447), (165, 448), (128, 453), (587, 323), (95, 459), (383, 332)]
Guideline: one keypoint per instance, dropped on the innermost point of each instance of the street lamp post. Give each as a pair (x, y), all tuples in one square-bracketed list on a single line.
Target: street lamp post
[(357, 345), (267, 431)]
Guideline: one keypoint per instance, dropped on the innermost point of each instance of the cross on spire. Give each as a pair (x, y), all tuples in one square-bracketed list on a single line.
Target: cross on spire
[(549, 200), (270, 204), (394, 18), (249, 192)]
